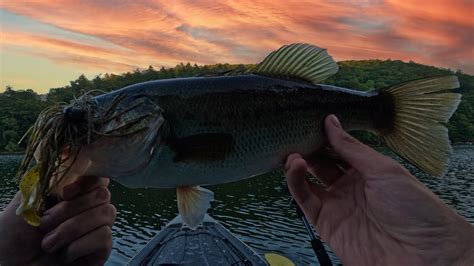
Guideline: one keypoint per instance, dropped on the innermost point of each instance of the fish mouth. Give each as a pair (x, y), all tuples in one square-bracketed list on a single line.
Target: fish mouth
[(74, 115), (54, 139)]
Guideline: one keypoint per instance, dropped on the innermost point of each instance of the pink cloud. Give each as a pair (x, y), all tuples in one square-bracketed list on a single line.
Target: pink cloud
[(169, 32)]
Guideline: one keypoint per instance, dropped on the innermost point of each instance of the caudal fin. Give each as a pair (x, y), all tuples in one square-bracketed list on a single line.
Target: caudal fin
[(419, 134)]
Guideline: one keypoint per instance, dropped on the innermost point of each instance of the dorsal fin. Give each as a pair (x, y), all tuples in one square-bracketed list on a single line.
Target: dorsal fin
[(298, 61), (235, 70)]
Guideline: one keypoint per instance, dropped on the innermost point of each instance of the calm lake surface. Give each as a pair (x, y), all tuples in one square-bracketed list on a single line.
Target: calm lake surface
[(257, 210)]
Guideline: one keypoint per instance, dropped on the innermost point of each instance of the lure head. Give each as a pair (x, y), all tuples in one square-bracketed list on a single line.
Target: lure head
[(73, 114), (88, 137)]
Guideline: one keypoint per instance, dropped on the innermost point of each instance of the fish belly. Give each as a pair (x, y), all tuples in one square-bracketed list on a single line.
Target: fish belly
[(255, 152)]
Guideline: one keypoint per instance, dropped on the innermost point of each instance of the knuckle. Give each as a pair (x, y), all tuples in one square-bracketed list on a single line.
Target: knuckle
[(109, 213), (56, 214), (102, 194), (342, 140), (302, 199), (113, 211), (106, 232), (62, 230), (62, 237), (105, 181), (69, 229), (86, 200), (62, 208), (348, 139)]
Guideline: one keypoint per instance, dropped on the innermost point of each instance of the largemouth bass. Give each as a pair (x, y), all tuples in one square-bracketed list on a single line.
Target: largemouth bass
[(186, 132)]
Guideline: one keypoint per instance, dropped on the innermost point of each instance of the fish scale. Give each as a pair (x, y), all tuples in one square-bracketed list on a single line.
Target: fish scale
[(289, 119)]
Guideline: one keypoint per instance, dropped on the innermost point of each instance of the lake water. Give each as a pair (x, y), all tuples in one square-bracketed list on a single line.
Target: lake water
[(257, 210)]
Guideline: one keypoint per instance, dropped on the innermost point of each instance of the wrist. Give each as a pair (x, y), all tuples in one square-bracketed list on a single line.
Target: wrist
[(455, 246), (7, 248), (16, 235), (465, 254)]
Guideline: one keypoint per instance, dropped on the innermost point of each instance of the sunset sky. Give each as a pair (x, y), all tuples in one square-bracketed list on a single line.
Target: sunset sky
[(47, 43)]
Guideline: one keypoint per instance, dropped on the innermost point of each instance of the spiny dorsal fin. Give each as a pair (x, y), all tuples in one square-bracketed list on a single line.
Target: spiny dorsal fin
[(298, 61), (239, 70)]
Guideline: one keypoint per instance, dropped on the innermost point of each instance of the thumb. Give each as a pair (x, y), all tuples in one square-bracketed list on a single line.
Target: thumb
[(300, 189), (360, 156)]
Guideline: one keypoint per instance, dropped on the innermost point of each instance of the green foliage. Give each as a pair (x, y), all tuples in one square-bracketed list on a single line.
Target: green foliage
[(18, 111), (20, 108), (12, 147)]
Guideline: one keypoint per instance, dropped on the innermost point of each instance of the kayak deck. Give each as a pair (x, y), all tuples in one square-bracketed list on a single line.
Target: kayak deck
[(209, 244)]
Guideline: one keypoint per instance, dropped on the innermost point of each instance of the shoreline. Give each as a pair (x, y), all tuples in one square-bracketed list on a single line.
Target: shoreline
[(12, 152)]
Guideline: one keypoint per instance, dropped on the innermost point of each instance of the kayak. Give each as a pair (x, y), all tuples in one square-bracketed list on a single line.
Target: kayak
[(209, 244)]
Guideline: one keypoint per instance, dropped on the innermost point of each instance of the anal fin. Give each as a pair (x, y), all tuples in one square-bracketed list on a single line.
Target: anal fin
[(193, 203)]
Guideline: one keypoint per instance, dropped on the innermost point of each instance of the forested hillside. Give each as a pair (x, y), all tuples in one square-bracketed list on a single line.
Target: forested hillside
[(19, 108)]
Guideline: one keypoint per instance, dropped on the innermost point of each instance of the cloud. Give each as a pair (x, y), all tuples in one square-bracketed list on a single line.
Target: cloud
[(115, 35), (66, 52)]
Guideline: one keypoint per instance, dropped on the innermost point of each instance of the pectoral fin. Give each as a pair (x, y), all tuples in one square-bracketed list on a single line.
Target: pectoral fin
[(193, 203), (28, 189)]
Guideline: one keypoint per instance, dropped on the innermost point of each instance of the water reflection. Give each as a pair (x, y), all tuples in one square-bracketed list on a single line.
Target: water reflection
[(8, 167), (257, 210)]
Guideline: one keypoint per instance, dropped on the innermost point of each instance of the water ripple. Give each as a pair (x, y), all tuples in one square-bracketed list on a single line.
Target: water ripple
[(256, 210)]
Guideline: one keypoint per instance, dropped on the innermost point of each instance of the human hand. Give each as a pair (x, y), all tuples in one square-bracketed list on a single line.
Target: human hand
[(374, 212), (77, 230)]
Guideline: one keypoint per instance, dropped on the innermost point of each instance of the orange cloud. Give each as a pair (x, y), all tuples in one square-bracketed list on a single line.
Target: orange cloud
[(169, 32)]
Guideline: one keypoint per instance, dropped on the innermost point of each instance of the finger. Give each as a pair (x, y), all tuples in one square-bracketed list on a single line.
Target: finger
[(99, 258), (70, 208), (82, 185), (326, 170), (290, 158), (97, 243), (77, 226), (303, 193), (360, 156)]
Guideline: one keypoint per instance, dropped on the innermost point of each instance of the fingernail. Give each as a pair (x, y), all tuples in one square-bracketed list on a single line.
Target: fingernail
[(333, 119), (71, 190), (49, 242)]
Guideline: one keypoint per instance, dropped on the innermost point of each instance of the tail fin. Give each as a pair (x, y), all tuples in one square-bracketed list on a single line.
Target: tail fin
[(419, 135)]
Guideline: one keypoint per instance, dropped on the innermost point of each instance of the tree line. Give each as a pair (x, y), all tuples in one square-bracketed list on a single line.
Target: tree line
[(20, 108)]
